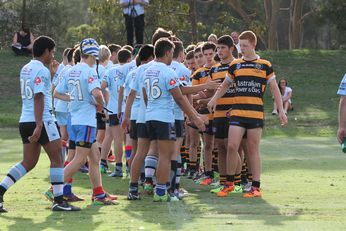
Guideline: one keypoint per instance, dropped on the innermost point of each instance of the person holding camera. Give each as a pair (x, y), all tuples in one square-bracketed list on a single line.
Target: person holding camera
[(134, 18)]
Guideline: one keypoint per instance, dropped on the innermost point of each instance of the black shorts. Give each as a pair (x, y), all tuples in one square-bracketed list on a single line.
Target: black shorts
[(209, 129), (101, 124), (133, 130), (220, 127), (142, 131), (160, 130), (246, 124), (179, 128), (113, 120), (49, 133)]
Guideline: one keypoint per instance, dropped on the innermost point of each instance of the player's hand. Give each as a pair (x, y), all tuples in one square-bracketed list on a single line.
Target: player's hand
[(340, 135), (211, 105), (199, 122), (283, 119), (36, 134), (53, 67), (126, 125), (202, 95), (212, 85)]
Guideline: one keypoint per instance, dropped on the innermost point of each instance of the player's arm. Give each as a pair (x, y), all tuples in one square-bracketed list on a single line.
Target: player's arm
[(210, 85), (274, 89), (125, 3), (97, 93), (62, 96), (126, 118), (342, 119), (141, 2), (120, 100), (187, 108), (219, 93)]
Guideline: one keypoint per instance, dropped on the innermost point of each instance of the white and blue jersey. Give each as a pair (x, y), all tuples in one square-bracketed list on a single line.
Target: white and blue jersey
[(115, 79), (342, 87), (158, 80), (136, 103), (61, 105), (137, 85), (80, 82), (184, 80), (35, 78)]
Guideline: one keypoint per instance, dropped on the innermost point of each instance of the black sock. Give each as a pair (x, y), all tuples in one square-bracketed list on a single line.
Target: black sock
[(133, 187), (2, 190)]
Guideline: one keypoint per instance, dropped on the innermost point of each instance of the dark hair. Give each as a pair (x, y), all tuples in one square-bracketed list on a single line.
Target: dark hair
[(70, 55), (226, 40), (281, 90), (146, 52), (190, 47), (217, 58), (162, 46), (179, 47), (42, 43), (114, 48), (190, 55), (208, 46), (76, 56), (124, 55), (26, 29), (197, 49), (127, 47), (64, 54), (160, 33), (136, 49)]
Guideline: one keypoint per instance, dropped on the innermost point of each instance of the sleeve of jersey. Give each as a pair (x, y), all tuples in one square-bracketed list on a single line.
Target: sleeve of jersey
[(40, 81), (230, 75), (62, 86), (187, 76), (342, 87), (93, 81), (171, 80), (270, 73)]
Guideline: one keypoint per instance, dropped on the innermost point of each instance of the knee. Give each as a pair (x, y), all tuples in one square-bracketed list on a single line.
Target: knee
[(232, 148)]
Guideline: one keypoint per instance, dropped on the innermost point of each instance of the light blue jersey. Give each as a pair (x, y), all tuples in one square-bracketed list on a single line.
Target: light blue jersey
[(136, 103), (101, 70), (115, 79), (184, 80), (158, 80), (137, 85), (80, 82), (61, 105), (109, 65), (342, 87), (35, 78), (128, 80)]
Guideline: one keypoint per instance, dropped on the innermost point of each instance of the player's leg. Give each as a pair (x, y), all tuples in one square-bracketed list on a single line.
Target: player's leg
[(194, 142), (150, 166), (252, 143), (208, 140), (118, 136), (106, 146)]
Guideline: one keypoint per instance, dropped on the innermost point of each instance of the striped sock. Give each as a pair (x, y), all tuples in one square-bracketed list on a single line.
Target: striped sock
[(57, 181), (160, 189), (99, 192), (237, 179), (15, 173), (128, 152), (178, 173), (222, 179), (150, 168), (215, 165)]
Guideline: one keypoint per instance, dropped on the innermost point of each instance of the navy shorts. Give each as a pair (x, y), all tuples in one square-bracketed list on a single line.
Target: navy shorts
[(160, 130)]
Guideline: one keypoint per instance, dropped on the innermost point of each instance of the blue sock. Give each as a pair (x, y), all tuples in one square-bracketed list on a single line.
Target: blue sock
[(15, 173), (67, 190), (160, 189)]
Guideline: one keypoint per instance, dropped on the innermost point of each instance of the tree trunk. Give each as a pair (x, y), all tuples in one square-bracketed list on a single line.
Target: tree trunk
[(193, 18), (235, 4), (272, 8), (24, 14), (296, 24)]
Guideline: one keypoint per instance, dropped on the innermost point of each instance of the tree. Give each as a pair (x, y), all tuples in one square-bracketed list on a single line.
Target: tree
[(272, 9)]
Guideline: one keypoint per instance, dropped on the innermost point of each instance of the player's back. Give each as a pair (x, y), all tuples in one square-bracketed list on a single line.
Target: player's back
[(158, 80), (114, 78), (35, 78), (81, 80)]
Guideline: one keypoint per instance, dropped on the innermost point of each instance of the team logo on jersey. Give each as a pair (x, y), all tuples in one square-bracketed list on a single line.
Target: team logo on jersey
[(182, 78), (38, 80), (258, 66), (90, 80), (202, 73), (238, 66), (172, 82), (216, 69)]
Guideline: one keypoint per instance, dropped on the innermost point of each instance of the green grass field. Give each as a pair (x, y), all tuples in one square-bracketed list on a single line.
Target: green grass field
[(303, 189), (303, 179)]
